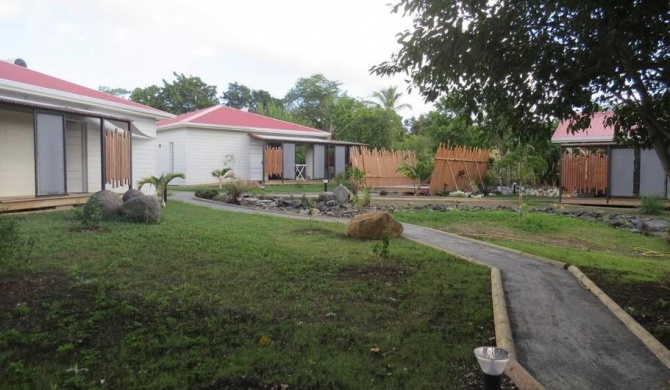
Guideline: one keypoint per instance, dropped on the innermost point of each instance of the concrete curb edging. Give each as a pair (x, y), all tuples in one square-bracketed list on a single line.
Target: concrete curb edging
[(655, 346), (503, 329)]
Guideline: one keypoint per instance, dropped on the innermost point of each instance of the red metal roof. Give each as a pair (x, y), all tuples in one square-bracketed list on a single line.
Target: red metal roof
[(596, 132), (230, 117), (19, 74)]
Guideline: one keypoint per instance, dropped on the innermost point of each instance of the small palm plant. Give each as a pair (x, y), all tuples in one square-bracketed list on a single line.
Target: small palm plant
[(220, 174), (160, 183)]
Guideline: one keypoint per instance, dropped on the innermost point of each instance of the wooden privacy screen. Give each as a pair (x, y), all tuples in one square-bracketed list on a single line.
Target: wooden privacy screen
[(380, 166), (584, 174), (273, 161), (457, 167), (117, 158)]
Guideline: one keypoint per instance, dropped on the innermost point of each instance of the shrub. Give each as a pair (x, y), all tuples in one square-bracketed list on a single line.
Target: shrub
[(234, 191), (207, 194), (352, 178), (91, 215), (13, 246), (306, 202), (651, 205)]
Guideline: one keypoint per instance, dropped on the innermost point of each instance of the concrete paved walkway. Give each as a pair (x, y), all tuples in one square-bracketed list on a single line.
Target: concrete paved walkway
[(564, 336)]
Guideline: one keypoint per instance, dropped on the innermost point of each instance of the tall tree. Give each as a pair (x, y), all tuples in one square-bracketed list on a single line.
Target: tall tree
[(237, 96), (546, 59), (375, 126), (390, 98), (184, 94), (313, 98)]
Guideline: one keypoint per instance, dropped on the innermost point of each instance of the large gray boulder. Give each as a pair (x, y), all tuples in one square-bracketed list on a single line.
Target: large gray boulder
[(655, 225), (341, 194), (109, 202), (372, 225), (132, 194), (144, 209)]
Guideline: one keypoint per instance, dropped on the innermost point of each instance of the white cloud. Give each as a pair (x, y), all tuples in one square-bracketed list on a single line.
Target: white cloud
[(9, 8), (265, 44)]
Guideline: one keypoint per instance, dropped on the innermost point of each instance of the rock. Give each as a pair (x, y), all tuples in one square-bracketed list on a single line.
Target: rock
[(341, 194), (655, 225), (372, 226), (326, 196), (110, 202), (145, 209), (132, 194)]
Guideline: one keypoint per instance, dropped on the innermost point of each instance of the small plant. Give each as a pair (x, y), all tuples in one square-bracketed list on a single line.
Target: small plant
[(651, 205), (13, 246), (234, 191), (474, 188), (420, 172), (220, 174), (10, 238), (353, 178), (207, 194), (91, 216), (306, 202), (160, 183), (366, 198), (381, 249)]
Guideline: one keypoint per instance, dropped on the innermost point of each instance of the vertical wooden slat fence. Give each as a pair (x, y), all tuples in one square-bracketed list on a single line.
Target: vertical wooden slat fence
[(457, 167), (117, 158), (584, 174), (273, 161), (380, 166)]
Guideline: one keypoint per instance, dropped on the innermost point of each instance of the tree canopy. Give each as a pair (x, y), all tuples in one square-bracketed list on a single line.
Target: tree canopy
[(543, 60), (184, 95), (240, 96), (313, 98)]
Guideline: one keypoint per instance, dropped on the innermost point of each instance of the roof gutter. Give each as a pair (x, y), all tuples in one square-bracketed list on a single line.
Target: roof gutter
[(172, 126), (18, 87)]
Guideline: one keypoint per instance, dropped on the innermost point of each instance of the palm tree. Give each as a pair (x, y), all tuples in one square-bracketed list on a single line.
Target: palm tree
[(160, 183), (220, 174), (388, 98)]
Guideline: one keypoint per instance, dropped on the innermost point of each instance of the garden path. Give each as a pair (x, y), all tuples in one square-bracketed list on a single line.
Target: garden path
[(564, 336)]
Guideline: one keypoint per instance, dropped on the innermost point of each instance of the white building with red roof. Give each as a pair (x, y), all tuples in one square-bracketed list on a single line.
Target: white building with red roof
[(59, 139), (262, 148), (602, 168)]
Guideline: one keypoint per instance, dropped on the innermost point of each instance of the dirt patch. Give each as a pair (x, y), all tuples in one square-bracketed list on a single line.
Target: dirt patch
[(383, 271), (647, 302), (33, 289)]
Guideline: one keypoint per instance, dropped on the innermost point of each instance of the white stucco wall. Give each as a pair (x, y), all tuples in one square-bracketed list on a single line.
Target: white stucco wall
[(17, 154)]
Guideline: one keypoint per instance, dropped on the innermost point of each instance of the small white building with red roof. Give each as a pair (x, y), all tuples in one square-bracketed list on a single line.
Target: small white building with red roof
[(59, 139), (260, 148), (603, 168)]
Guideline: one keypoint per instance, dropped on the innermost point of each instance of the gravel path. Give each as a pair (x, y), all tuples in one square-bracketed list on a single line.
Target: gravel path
[(564, 336)]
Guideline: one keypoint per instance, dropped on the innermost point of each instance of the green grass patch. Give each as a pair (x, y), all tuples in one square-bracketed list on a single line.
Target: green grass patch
[(210, 299), (557, 237)]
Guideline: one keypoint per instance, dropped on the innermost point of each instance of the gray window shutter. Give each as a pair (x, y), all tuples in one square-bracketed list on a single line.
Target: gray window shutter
[(288, 158)]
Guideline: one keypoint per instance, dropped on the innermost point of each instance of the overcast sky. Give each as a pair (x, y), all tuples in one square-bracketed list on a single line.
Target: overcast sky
[(264, 44)]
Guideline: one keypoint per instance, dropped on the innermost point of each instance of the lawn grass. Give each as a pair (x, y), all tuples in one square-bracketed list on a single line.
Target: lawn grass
[(557, 237), (210, 299), (631, 268)]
